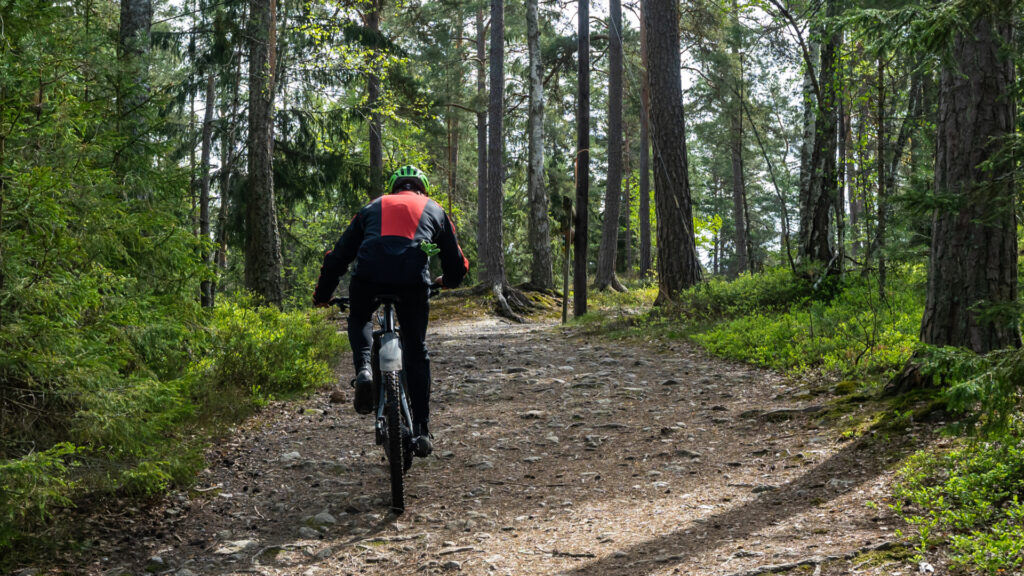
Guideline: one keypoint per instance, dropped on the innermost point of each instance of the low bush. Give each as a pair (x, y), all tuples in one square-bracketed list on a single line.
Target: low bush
[(968, 499), (131, 415)]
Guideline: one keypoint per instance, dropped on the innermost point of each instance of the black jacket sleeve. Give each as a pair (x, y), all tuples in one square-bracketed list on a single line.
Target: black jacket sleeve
[(337, 261), (454, 264)]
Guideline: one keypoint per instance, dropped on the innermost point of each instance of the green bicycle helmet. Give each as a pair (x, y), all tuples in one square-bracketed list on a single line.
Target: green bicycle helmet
[(411, 175)]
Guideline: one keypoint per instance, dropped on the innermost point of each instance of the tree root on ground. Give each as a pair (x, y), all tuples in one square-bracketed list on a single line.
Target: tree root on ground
[(613, 284), (815, 561)]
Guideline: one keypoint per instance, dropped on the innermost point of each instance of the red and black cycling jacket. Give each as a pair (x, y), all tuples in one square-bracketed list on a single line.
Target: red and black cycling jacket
[(384, 242)]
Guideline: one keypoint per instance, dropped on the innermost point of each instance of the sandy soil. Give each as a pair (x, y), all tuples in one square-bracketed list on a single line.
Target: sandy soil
[(555, 453)]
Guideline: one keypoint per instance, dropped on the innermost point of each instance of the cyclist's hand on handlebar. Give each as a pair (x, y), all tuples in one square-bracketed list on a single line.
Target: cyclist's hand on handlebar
[(320, 304), (341, 303)]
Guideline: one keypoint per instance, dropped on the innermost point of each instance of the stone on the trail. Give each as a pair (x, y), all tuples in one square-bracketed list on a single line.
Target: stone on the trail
[(307, 532), (532, 459), (532, 415), (184, 572), (224, 534), (515, 370), (741, 553), (763, 488), (289, 457), (608, 361), (451, 566), (670, 382), (684, 453), (155, 564), (28, 572), (324, 518), (839, 484), (566, 368), (236, 546), (313, 412), (619, 554), (553, 439)]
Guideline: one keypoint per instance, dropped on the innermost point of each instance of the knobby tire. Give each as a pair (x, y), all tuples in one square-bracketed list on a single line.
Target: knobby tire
[(395, 442)]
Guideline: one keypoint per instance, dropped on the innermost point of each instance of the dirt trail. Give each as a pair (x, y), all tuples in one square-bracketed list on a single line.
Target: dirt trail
[(555, 453)]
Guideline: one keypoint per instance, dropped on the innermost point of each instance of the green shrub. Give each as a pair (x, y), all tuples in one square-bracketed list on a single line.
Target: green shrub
[(968, 497), (268, 353), (848, 331)]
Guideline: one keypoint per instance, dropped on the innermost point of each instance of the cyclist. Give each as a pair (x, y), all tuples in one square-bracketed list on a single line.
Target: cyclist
[(390, 240)]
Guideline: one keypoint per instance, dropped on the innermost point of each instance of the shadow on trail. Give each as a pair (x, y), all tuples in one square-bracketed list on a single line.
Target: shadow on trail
[(847, 469)]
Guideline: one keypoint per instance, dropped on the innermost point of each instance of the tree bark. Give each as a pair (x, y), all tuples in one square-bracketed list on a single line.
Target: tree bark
[(819, 199), (678, 265), (206, 286), (739, 193), (883, 193), (644, 201), (613, 195), (373, 101), (481, 145), (972, 273), (495, 265), (582, 161), (227, 167), (262, 242), (541, 276)]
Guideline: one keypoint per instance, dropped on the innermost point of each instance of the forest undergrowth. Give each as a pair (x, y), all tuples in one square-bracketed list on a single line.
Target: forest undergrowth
[(962, 499), (133, 420)]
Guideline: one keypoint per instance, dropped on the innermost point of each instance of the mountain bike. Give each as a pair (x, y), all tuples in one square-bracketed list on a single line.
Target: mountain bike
[(393, 423)]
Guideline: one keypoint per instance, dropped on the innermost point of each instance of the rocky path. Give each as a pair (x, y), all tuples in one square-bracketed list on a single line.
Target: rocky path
[(555, 453)]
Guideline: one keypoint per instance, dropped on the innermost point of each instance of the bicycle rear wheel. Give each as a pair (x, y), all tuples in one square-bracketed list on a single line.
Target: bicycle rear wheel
[(395, 445)]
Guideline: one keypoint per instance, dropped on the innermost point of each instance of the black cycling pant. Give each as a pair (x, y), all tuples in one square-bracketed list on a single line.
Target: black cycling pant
[(413, 311)]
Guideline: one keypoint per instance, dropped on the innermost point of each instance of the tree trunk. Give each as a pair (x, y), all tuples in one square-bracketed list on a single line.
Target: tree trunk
[(495, 272), (481, 145), (582, 161), (678, 265), (373, 97), (627, 207), (972, 274), (262, 243), (541, 276), (815, 210), (227, 167), (206, 286), (883, 193), (613, 194), (644, 206), (739, 193)]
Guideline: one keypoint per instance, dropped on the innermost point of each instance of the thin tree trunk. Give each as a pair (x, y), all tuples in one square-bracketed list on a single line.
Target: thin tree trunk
[(541, 276), (481, 145), (495, 273), (678, 265), (613, 195), (262, 243), (883, 198), (206, 286), (582, 161), (227, 166), (972, 273), (373, 101), (840, 205), (815, 210), (644, 206), (739, 194), (134, 43), (627, 208)]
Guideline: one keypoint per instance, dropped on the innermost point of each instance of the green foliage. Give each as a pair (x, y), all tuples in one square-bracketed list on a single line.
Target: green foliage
[(850, 333), (267, 352), (970, 498), (31, 487)]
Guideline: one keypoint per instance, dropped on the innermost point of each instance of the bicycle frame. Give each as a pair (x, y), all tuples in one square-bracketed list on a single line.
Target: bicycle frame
[(387, 342)]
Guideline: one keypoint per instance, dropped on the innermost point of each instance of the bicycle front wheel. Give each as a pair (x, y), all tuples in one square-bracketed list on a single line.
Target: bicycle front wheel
[(395, 445)]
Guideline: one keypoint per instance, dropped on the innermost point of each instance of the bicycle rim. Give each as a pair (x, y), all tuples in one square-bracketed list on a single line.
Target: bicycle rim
[(395, 443)]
